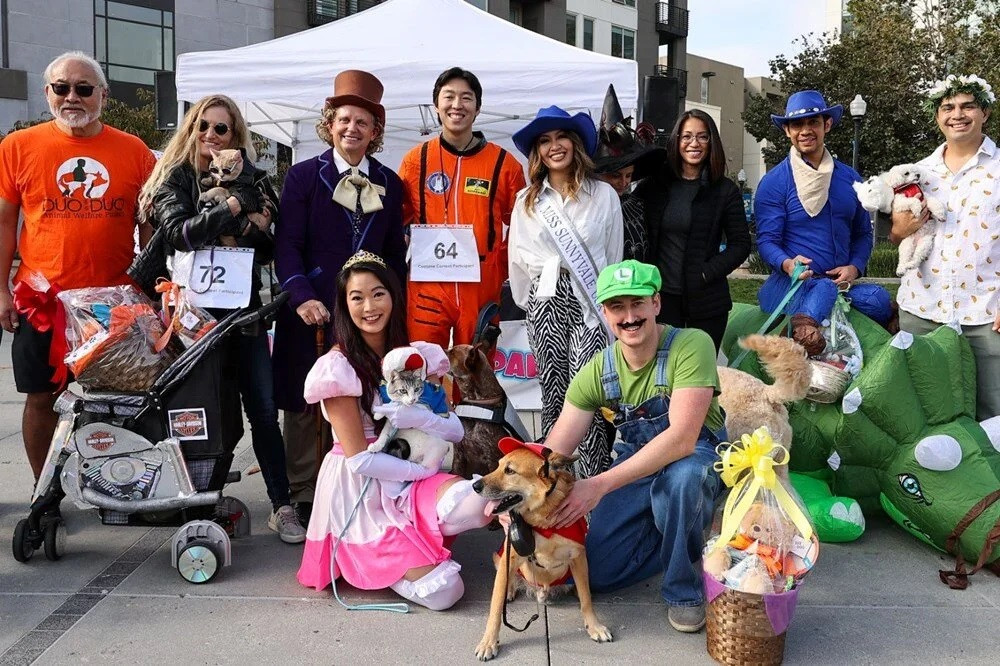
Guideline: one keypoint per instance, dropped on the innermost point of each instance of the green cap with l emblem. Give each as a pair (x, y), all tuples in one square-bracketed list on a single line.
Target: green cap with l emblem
[(628, 278)]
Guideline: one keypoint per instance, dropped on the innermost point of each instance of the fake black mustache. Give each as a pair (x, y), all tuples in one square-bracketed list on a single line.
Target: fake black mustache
[(632, 324)]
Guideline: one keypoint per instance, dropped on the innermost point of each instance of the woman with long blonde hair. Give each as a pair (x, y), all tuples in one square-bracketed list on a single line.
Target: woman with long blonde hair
[(565, 227), (170, 200)]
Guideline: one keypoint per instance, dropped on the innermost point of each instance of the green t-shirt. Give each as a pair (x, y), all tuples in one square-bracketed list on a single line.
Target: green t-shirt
[(691, 364)]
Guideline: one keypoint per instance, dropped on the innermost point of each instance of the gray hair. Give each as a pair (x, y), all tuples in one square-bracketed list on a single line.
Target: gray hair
[(78, 56)]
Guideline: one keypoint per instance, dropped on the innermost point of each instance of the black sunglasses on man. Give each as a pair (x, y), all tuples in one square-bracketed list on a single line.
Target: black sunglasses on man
[(81, 89)]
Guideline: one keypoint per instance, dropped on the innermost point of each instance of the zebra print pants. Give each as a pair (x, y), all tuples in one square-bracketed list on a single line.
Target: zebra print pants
[(562, 344)]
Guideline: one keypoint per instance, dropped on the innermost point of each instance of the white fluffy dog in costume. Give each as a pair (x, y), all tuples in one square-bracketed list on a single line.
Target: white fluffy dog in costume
[(898, 189), (423, 423)]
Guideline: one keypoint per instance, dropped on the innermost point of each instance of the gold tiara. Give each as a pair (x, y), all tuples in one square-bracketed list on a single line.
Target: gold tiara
[(363, 257)]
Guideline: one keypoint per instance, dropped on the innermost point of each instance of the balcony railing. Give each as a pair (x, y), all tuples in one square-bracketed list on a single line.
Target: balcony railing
[(673, 73), (319, 12), (671, 19)]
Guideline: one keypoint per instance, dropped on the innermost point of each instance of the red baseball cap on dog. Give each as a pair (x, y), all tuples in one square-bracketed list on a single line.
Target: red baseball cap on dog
[(509, 445)]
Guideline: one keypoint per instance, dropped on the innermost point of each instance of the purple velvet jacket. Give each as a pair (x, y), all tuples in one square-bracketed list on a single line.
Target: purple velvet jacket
[(311, 245)]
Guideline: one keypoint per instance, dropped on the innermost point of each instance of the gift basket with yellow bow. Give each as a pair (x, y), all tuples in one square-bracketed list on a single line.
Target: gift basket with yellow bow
[(762, 546)]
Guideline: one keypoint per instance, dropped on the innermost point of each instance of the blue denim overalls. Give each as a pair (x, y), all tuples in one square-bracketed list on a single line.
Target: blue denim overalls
[(657, 523)]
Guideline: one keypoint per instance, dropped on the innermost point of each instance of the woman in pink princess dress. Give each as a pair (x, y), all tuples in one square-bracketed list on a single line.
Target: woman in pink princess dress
[(394, 540)]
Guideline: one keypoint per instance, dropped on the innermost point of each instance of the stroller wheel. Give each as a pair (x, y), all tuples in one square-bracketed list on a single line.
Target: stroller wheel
[(55, 540), (23, 550), (199, 561)]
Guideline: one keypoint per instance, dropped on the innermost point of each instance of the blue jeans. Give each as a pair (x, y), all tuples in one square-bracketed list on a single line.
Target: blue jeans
[(656, 525), (815, 298), (257, 391)]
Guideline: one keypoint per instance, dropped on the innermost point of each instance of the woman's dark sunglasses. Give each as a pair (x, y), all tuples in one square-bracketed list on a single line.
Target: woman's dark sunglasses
[(82, 89), (220, 128)]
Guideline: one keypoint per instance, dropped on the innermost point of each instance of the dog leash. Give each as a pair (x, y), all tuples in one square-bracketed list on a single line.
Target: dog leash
[(798, 270), (391, 608), (506, 622)]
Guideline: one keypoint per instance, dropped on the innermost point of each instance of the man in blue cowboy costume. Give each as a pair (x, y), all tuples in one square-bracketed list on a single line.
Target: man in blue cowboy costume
[(658, 385), (808, 213)]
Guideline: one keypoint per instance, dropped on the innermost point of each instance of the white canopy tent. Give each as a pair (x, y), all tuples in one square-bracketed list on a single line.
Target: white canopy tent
[(281, 85)]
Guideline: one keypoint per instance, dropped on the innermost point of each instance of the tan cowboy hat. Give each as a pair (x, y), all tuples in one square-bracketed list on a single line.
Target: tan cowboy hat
[(354, 86)]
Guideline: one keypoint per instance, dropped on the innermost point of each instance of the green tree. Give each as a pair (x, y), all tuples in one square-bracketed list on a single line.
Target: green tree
[(893, 51), (138, 120)]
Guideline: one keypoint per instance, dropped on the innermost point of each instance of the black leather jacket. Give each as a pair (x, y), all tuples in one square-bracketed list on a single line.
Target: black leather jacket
[(182, 227)]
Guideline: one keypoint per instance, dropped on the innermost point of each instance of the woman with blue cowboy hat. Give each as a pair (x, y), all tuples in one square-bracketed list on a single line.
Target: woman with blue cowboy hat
[(566, 226), (808, 214)]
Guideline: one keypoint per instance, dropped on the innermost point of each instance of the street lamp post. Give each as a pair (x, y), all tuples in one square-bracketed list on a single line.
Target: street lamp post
[(858, 108)]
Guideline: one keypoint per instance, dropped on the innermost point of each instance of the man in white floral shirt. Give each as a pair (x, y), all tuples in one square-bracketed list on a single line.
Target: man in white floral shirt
[(959, 283)]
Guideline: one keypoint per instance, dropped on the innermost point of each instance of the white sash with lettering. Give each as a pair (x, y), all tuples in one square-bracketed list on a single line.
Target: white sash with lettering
[(215, 277), (573, 251)]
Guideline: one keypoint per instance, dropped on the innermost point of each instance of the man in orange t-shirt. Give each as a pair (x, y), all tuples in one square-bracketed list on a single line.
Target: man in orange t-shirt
[(76, 181), (453, 182)]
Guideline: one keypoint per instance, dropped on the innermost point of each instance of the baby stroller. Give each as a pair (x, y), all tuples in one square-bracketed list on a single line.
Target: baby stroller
[(159, 458)]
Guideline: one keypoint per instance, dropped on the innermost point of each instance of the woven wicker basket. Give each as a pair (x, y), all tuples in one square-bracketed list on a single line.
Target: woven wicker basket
[(125, 363), (739, 632), (828, 382)]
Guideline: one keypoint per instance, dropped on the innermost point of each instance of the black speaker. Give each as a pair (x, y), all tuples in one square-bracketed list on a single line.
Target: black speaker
[(166, 100), (660, 103)]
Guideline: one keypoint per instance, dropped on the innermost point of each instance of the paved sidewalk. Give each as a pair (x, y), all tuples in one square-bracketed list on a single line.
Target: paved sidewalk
[(113, 599)]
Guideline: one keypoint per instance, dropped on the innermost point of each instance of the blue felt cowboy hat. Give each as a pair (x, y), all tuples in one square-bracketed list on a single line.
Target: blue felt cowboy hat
[(806, 104), (551, 118)]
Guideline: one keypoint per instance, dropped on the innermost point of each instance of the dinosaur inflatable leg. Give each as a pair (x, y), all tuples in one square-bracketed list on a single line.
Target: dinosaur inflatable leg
[(836, 519)]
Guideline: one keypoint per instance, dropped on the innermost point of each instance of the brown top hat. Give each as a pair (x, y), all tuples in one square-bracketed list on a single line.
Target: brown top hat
[(353, 86)]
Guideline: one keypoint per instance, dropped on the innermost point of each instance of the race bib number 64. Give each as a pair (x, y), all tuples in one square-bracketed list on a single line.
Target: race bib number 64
[(443, 253)]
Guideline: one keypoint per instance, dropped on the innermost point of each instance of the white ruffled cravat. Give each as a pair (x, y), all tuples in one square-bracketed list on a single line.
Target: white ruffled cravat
[(355, 189)]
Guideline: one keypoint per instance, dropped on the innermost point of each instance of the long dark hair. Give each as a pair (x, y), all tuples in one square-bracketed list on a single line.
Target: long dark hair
[(366, 363), (716, 162)]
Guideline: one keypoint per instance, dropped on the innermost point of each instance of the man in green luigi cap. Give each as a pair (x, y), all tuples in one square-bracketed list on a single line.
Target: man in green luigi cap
[(658, 385)]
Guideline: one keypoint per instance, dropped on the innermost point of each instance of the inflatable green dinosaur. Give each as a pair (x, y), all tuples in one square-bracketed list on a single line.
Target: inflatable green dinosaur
[(904, 438)]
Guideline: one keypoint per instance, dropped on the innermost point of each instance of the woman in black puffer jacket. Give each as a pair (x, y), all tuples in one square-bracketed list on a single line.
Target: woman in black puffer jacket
[(170, 200), (691, 209)]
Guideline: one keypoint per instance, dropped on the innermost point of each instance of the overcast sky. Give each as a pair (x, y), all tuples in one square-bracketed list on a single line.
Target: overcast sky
[(748, 33)]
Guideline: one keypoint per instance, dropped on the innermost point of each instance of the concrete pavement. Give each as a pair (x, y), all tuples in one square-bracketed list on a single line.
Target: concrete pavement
[(113, 599)]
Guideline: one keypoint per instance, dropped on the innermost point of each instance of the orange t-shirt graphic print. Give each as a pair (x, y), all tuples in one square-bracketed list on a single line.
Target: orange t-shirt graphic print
[(78, 196)]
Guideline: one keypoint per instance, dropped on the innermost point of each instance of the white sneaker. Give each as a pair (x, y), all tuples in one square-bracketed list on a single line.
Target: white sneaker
[(284, 521)]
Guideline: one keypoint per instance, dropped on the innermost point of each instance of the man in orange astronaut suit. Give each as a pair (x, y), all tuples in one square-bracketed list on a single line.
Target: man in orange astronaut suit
[(459, 190)]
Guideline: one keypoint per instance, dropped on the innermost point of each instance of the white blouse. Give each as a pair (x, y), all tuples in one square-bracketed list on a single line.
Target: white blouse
[(595, 212)]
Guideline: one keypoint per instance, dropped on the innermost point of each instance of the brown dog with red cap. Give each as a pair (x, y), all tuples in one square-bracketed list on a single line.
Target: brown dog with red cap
[(530, 482)]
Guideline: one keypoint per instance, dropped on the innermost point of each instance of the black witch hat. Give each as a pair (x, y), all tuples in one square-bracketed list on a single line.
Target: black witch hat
[(620, 146)]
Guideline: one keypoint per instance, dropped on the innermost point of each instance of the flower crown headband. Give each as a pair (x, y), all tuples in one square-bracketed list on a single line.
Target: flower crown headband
[(363, 257), (956, 85)]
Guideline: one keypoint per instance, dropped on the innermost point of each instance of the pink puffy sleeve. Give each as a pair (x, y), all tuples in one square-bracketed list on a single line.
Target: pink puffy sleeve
[(436, 358), (330, 377)]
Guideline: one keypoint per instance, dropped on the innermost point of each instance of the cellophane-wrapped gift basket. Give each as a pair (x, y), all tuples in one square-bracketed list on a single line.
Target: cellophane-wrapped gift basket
[(112, 335), (761, 548)]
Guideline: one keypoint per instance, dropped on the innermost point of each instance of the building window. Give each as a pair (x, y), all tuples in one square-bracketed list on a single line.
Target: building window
[(622, 42), (514, 14), (319, 12), (627, 3), (571, 29), (133, 42), (704, 89), (481, 4), (588, 33)]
